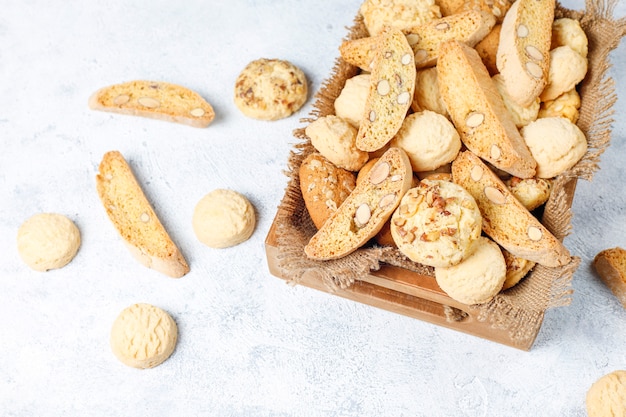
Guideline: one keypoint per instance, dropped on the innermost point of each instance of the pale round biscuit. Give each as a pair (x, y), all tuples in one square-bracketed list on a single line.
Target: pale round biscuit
[(335, 138), (531, 192), (566, 31), (522, 115), (555, 143), (426, 95), (436, 223), (607, 396), (566, 105), (143, 336), (48, 241), (398, 14), (350, 104), (223, 218), (429, 139), (567, 69), (270, 89), (478, 278)]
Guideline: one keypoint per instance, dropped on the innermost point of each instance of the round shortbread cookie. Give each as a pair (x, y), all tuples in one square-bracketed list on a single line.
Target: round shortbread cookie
[(566, 31), (478, 278), (522, 115), (223, 218), (270, 89), (566, 105), (436, 223), (567, 69), (607, 396), (143, 336), (48, 241), (335, 138), (350, 104)]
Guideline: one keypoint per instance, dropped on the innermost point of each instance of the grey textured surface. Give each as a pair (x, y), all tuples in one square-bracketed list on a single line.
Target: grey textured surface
[(249, 344)]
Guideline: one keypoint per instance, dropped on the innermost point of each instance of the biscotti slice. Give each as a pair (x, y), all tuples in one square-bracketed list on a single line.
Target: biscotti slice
[(134, 218), (468, 27), (359, 52), (505, 219), (392, 85), (610, 264), (478, 111), (523, 56), (156, 100), (365, 211)]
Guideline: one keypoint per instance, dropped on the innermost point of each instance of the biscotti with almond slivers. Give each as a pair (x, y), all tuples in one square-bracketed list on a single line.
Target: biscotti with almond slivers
[(478, 111), (523, 57), (156, 100), (363, 214), (392, 84), (610, 264), (134, 218), (505, 219)]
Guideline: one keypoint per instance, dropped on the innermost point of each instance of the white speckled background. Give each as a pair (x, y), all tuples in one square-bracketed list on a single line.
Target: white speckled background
[(249, 344)]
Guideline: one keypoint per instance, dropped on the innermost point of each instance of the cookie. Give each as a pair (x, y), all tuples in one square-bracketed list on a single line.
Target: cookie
[(566, 105), (335, 139), (505, 219), (363, 214), (521, 115), (392, 85), (498, 8), (531, 192), (610, 264), (607, 396), (270, 89), (350, 103), (478, 278), (487, 49), (47, 241), (516, 269), (324, 187), (134, 218), (397, 14), (223, 218), (429, 139), (143, 336), (426, 95), (523, 56), (436, 223), (478, 111), (567, 145), (156, 100), (566, 31), (567, 69)]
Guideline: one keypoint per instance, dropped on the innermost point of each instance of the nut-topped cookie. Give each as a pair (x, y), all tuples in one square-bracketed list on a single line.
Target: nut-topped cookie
[(392, 85), (436, 223), (365, 211)]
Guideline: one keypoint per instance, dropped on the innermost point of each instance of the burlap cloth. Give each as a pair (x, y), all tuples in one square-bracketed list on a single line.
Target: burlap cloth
[(519, 310)]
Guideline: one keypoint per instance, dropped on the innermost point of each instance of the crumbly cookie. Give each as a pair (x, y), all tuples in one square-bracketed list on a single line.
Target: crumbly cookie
[(505, 219), (47, 241), (607, 396), (223, 218), (531, 192), (143, 336), (610, 264), (324, 186), (522, 115), (566, 105), (156, 100), (436, 223), (350, 103), (567, 68), (270, 89), (487, 49), (566, 31), (335, 138), (426, 95), (398, 14), (365, 211), (429, 139), (498, 8), (567, 145), (478, 278), (392, 85), (523, 56), (516, 269)]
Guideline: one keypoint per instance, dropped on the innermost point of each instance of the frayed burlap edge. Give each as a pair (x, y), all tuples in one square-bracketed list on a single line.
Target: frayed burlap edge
[(519, 310)]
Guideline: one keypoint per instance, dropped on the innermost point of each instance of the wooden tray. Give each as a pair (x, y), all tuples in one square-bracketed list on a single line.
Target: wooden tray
[(405, 292)]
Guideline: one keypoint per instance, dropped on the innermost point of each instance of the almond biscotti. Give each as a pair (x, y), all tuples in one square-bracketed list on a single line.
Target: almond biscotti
[(134, 218), (505, 219), (156, 100), (523, 57), (392, 85), (478, 111), (365, 211), (610, 264)]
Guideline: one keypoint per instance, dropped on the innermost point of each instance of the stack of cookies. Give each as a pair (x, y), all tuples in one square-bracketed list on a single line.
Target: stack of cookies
[(445, 142)]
